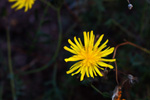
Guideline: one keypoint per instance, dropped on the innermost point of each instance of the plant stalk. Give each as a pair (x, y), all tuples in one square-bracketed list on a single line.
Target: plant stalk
[(12, 82)]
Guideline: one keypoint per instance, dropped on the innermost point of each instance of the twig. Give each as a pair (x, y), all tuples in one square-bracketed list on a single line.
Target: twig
[(130, 43), (116, 73), (125, 43)]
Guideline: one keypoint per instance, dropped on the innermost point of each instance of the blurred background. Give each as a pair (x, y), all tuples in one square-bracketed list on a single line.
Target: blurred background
[(37, 38)]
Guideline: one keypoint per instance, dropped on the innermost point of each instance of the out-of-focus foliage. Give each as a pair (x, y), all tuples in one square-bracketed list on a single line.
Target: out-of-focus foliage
[(34, 36)]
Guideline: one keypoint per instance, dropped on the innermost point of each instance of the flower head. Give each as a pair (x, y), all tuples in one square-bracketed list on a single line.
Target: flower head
[(19, 4), (89, 57)]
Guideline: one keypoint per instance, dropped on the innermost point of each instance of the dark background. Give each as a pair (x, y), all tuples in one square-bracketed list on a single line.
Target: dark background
[(34, 38)]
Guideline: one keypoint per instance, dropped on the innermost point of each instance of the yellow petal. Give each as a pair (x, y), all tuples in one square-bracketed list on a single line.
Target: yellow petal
[(72, 44), (98, 41), (91, 40), (102, 46), (73, 58), (97, 70), (94, 71), (76, 72), (88, 37), (15, 5), (82, 75), (91, 72), (108, 60), (70, 50), (74, 67), (20, 7), (87, 71), (105, 65), (78, 44), (85, 39), (12, 0), (26, 7), (30, 3), (75, 49), (107, 52)]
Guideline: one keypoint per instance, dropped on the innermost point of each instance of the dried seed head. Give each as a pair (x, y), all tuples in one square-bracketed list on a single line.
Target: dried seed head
[(116, 92), (132, 79), (130, 6)]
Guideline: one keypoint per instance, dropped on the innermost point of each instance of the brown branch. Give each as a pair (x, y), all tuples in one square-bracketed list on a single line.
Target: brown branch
[(125, 43), (116, 73), (130, 43)]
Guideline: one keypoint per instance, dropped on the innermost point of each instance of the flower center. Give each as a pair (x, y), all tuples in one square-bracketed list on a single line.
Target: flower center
[(89, 58)]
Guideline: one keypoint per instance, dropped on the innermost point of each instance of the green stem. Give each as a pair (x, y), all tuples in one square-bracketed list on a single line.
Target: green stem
[(96, 89), (57, 49), (42, 19), (39, 27), (54, 83), (105, 94), (49, 4), (12, 82), (143, 17)]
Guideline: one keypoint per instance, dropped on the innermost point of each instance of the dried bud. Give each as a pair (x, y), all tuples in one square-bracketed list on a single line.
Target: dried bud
[(116, 93), (130, 6), (132, 79)]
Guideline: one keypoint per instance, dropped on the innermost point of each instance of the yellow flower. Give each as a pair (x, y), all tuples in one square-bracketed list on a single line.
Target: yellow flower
[(19, 4), (89, 57)]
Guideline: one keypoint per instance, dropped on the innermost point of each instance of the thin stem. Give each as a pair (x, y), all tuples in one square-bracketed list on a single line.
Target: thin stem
[(54, 82), (39, 26), (143, 21), (42, 18), (12, 82), (124, 29), (105, 94), (49, 4), (96, 89), (116, 72), (128, 1), (124, 82), (57, 49)]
